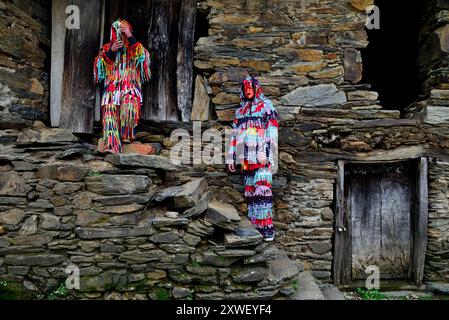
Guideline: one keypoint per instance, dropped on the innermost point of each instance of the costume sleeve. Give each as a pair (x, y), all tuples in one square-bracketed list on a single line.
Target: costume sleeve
[(231, 156), (102, 65), (271, 133), (142, 58)]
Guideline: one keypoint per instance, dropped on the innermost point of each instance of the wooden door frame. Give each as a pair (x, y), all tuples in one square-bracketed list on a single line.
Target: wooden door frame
[(342, 264), (73, 114)]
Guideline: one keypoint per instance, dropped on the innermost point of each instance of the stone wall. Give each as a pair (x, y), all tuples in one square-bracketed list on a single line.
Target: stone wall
[(438, 241), (24, 62), (303, 52), (433, 64), (131, 223), (434, 45), (56, 207)]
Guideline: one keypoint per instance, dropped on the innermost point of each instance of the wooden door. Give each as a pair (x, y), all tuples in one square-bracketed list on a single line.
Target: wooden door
[(381, 204), (381, 220)]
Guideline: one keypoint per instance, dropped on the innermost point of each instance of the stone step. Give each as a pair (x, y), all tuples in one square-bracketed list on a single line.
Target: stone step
[(331, 292), (281, 269), (222, 214), (405, 294), (187, 196), (244, 235), (438, 287), (265, 252), (142, 161), (308, 289)]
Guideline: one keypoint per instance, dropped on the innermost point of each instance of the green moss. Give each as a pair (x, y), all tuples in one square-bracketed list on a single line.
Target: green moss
[(371, 294), (194, 264), (14, 291), (162, 294), (59, 293), (295, 285), (183, 275)]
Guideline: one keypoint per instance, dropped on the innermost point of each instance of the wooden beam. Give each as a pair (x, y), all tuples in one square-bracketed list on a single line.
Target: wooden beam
[(339, 245), (184, 72), (98, 92), (161, 95), (421, 221), (81, 47), (58, 34)]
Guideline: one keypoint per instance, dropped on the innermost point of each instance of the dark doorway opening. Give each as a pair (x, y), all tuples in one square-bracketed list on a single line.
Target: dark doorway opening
[(165, 28), (389, 61)]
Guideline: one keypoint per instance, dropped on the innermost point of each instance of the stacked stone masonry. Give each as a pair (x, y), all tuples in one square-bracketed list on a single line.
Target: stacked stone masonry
[(142, 227)]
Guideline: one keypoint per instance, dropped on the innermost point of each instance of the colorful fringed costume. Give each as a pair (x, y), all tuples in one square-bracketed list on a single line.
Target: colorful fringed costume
[(253, 146), (123, 74)]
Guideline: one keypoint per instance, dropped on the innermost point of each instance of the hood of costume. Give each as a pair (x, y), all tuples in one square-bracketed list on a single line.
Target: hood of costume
[(255, 129)]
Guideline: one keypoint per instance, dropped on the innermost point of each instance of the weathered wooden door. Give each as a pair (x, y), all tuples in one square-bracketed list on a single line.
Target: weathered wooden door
[(381, 213), (381, 203)]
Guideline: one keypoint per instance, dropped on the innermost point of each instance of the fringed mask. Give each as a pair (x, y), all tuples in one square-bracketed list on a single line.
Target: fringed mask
[(250, 89), (115, 31)]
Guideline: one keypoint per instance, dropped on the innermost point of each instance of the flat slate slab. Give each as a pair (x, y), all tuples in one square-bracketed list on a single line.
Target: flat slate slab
[(191, 193), (222, 214), (307, 288), (281, 269), (244, 235), (142, 161), (117, 184), (199, 208), (271, 252), (106, 233), (322, 95), (166, 221), (46, 136), (331, 292), (121, 200), (436, 287)]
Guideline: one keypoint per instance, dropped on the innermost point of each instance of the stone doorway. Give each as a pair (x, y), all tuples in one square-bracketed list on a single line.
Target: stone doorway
[(381, 220)]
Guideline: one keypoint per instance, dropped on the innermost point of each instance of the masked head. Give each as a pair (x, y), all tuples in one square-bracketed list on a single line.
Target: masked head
[(250, 89), (115, 33)]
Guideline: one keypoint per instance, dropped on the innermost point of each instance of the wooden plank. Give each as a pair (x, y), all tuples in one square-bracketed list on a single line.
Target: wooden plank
[(340, 266), (382, 202), (421, 221), (347, 234), (397, 190), (81, 46), (58, 33), (161, 94), (98, 92), (366, 211), (184, 70)]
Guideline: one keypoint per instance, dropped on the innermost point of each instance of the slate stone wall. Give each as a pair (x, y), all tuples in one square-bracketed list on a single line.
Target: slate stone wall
[(24, 62), (120, 219)]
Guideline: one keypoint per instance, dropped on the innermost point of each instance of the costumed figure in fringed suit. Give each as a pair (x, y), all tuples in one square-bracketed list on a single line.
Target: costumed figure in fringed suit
[(124, 65), (253, 148)]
